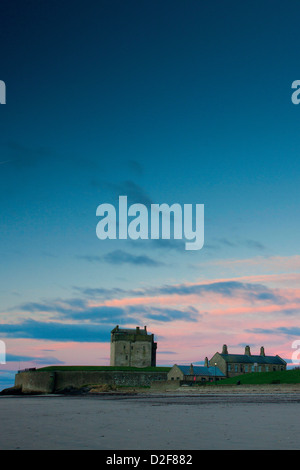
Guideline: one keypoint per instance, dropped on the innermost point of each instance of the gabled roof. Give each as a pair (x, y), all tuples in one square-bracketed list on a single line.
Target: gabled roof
[(201, 370), (244, 359)]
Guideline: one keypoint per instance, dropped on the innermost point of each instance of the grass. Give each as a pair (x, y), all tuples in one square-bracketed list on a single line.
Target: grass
[(104, 368), (291, 376)]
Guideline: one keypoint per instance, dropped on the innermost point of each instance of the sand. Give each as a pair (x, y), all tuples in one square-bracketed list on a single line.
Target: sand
[(167, 421)]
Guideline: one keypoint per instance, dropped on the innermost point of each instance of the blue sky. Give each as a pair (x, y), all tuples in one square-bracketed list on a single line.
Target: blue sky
[(162, 101)]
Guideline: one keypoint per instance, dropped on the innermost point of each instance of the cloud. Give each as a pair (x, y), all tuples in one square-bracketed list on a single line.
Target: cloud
[(166, 314), (282, 330), (91, 258), (225, 288), (122, 257), (101, 292), (118, 257), (252, 244), (169, 315), (160, 244), (134, 192), (55, 331), (59, 306), (37, 360), (79, 309), (256, 245)]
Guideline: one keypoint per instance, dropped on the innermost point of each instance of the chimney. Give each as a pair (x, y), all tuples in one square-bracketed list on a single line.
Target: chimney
[(247, 351), (262, 351), (206, 362), (191, 369), (224, 350)]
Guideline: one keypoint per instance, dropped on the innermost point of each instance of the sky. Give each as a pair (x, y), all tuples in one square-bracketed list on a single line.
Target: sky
[(162, 102)]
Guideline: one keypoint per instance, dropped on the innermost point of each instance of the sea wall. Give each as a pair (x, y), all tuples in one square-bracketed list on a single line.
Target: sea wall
[(35, 381), (54, 381)]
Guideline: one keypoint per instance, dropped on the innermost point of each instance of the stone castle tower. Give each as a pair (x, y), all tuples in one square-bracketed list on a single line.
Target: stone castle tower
[(132, 347)]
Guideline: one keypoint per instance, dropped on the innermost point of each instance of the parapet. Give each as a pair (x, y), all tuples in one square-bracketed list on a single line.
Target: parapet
[(131, 334)]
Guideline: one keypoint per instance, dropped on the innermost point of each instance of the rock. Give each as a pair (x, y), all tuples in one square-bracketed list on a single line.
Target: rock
[(12, 391), (70, 390)]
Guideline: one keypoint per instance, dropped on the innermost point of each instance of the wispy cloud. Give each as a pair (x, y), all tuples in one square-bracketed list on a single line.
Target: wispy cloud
[(56, 331), (122, 257), (134, 192), (37, 359), (281, 330), (249, 243), (119, 257)]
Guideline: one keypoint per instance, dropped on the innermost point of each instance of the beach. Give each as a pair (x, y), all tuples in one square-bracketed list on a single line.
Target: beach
[(235, 419)]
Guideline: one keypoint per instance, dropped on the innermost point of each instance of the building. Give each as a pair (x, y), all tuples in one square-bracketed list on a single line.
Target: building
[(132, 347), (195, 374), (237, 364)]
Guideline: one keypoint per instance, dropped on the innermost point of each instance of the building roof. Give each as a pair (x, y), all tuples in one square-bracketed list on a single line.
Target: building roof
[(245, 359), (201, 370)]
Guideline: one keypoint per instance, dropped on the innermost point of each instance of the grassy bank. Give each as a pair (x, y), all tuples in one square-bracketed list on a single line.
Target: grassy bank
[(256, 378)]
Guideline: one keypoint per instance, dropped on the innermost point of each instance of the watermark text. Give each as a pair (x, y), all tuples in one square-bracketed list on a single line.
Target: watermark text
[(2, 92), (163, 222), (2, 352), (296, 354)]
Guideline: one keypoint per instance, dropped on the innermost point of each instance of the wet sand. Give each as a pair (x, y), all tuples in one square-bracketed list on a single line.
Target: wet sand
[(168, 421)]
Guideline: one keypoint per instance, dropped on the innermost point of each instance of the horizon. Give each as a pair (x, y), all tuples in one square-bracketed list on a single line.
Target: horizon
[(164, 103)]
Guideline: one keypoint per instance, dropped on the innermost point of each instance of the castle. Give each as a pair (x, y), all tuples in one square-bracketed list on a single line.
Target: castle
[(132, 347)]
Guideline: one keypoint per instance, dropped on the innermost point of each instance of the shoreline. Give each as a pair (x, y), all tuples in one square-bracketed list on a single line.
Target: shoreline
[(165, 391)]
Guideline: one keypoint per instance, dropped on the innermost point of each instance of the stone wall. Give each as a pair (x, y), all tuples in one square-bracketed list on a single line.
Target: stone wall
[(52, 382), (36, 381)]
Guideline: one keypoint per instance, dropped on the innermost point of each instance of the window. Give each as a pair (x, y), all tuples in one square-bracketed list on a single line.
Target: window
[(236, 368), (229, 368), (246, 368)]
